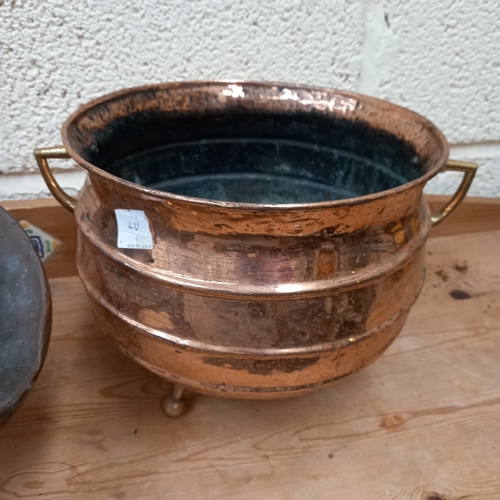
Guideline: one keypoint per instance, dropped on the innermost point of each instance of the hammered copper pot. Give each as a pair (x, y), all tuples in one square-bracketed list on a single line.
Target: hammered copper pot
[(288, 227)]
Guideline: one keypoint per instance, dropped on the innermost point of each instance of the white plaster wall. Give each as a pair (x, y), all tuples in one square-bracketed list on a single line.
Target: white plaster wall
[(441, 59)]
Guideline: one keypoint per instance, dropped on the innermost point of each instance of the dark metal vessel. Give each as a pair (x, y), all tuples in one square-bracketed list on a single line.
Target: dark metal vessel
[(25, 315)]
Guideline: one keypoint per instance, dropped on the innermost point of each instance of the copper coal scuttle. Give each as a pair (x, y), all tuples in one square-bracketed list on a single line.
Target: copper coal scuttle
[(251, 240)]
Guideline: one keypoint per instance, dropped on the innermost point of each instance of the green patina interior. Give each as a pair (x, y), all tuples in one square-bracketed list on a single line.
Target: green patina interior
[(255, 157)]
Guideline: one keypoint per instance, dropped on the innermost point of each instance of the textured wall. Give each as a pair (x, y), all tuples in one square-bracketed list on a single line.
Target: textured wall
[(441, 59)]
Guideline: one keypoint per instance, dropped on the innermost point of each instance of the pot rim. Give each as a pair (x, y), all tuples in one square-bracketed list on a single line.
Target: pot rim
[(194, 201)]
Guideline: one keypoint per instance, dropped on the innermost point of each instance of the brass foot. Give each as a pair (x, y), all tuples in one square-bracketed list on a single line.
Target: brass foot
[(174, 406)]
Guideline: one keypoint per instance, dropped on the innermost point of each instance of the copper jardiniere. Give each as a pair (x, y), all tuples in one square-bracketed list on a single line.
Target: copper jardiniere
[(253, 300)]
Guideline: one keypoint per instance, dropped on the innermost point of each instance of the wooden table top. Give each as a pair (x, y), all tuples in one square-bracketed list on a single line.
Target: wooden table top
[(422, 423)]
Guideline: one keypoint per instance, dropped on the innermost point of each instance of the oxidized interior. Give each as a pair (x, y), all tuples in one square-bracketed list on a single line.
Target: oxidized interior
[(245, 155)]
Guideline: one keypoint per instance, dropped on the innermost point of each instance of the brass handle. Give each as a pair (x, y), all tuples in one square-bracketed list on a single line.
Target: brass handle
[(41, 155), (469, 170)]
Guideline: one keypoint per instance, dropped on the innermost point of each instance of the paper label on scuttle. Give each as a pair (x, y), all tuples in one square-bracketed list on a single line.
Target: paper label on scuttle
[(133, 230)]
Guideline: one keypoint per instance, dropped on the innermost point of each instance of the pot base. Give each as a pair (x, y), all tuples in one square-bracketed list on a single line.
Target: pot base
[(174, 405)]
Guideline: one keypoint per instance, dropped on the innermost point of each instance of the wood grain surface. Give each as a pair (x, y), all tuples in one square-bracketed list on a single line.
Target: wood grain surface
[(422, 423), (473, 215)]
